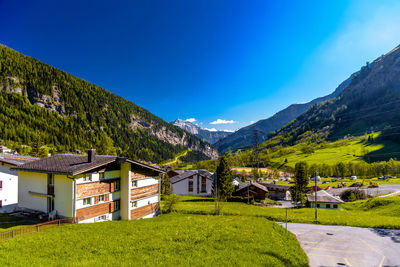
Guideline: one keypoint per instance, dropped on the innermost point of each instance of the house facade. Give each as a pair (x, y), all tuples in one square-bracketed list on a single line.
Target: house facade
[(89, 188), (277, 191), (9, 180), (324, 200), (252, 190), (192, 183)]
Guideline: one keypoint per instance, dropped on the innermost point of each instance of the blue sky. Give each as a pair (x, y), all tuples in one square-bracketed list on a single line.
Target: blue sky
[(223, 63)]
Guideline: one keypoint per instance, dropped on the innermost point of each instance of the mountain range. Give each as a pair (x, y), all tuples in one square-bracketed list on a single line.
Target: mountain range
[(66, 113), (244, 137), (210, 136)]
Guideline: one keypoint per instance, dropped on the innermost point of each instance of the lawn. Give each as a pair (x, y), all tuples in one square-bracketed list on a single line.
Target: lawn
[(359, 214), (168, 240)]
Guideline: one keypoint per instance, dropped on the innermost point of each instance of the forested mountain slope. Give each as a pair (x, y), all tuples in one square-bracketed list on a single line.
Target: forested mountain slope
[(370, 103), (244, 136), (73, 114)]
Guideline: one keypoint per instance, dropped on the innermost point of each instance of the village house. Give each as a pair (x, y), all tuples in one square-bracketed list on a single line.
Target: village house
[(89, 188), (9, 180), (324, 200), (192, 183), (277, 191), (252, 190)]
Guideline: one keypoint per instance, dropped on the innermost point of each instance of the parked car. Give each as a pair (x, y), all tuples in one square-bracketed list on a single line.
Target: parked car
[(325, 182), (334, 179), (382, 178), (288, 179), (352, 178), (313, 178), (393, 177)]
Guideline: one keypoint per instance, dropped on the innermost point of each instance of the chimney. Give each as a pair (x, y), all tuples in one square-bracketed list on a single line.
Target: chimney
[(91, 155)]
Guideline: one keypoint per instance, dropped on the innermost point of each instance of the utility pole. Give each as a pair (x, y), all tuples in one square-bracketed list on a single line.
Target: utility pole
[(216, 188), (315, 197)]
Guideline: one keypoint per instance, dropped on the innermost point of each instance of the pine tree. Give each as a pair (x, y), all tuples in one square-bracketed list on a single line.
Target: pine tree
[(224, 180), (299, 189), (36, 145)]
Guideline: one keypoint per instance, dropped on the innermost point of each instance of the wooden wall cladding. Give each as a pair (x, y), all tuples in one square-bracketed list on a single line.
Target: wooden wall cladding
[(145, 191), (93, 211), (143, 211), (94, 188)]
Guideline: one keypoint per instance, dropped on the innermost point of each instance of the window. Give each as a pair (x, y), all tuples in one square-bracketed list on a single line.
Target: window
[(134, 183), (116, 186), (317, 205), (102, 218), (190, 186), (1, 204), (134, 204), (102, 175), (87, 177), (328, 206), (335, 206), (102, 198), (1, 185), (87, 201), (203, 184), (116, 205)]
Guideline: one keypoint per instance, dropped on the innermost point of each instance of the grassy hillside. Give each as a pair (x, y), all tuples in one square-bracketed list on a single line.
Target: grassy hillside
[(168, 240), (345, 150), (367, 213)]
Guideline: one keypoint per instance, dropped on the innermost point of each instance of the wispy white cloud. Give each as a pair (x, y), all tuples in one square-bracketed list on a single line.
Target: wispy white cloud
[(221, 121), (191, 120), (210, 129)]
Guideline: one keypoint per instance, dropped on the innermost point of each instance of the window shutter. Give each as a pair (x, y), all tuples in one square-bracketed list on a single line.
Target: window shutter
[(96, 199), (107, 197), (112, 207), (112, 187)]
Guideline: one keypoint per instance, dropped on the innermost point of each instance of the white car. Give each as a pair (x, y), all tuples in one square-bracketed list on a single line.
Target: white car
[(352, 178)]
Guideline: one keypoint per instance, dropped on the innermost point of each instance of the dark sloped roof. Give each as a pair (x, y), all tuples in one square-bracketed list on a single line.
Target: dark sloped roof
[(188, 173), (15, 160), (75, 164), (258, 185), (323, 196), (276, 186)]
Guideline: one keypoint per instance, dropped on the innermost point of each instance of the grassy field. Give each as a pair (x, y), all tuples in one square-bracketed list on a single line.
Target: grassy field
[(339, 151), (167, 240), (368, 213)]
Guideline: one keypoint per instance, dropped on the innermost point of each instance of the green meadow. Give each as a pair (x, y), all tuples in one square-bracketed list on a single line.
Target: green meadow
[(167, 240), (375, 212)]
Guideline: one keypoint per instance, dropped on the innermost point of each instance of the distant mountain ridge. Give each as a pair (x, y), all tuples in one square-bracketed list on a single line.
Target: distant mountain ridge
[(205, 134), (369, 103), (243, 137)]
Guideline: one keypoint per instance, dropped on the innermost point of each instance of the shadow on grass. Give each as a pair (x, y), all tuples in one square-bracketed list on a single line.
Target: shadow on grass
[(285, 261)]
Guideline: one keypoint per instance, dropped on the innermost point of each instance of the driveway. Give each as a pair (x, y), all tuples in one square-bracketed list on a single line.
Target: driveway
[(382, 189), (348, 246)]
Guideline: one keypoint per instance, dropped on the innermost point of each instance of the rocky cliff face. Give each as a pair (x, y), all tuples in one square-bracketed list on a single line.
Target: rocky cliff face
[(209, 136)]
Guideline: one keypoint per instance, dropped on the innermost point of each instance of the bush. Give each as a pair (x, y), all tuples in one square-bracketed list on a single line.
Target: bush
[(169, 202), (353, 195)]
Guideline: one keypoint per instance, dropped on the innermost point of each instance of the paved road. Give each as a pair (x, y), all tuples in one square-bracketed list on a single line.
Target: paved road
[(382, 189), (348, 246)]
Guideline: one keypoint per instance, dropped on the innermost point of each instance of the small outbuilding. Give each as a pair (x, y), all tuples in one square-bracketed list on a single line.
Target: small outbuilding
[(277, 191), (255, 190), (324, 200)]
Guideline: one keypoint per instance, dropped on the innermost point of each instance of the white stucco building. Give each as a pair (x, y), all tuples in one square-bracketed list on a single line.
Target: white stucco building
[(9, 180), (192, 183)]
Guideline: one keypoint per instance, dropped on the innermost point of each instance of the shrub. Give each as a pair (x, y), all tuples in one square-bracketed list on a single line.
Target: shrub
[(169, 202), (353, 195)]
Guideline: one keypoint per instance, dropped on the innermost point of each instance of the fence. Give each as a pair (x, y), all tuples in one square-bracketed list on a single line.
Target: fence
[(34, 228)]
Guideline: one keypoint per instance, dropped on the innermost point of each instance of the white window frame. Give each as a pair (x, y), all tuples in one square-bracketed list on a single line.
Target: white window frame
[(102, 175), (87, 177), (117, 188), (134, 183), (134, 204), (87, 201), (102, 198)]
